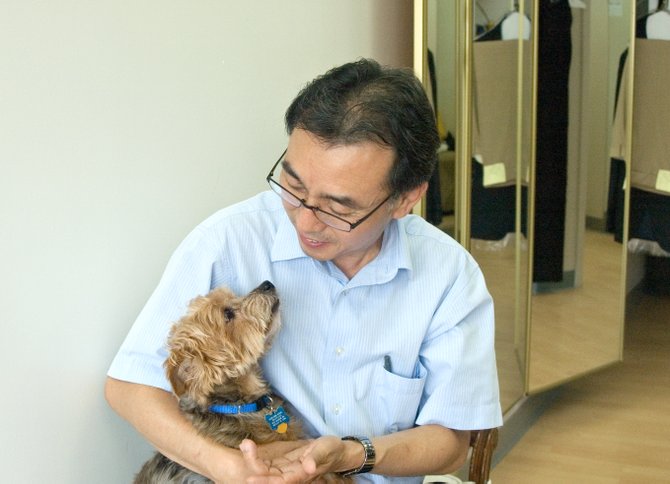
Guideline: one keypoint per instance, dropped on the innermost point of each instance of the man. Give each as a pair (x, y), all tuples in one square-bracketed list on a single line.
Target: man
[(387, 324)]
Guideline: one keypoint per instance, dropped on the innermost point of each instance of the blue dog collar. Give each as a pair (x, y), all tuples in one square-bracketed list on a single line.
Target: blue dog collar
[(241, 408)]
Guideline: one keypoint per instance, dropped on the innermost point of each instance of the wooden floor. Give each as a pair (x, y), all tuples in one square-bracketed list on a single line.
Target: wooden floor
[(578, 329), (609, 427)]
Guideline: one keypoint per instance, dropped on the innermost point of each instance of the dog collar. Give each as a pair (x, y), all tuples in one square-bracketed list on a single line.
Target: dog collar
[(241, 408)]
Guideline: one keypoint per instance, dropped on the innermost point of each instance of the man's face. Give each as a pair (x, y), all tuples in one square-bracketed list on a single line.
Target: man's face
[(348, 181)]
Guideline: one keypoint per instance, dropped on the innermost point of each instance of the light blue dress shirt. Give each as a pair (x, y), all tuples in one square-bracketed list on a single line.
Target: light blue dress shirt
[(409, 340)]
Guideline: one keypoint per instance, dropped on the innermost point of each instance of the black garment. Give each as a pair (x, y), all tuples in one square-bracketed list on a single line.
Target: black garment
[(492, 211), (615, 199), (649, 214), (434, 192), (554, 55), (494, 33), (649, 217)]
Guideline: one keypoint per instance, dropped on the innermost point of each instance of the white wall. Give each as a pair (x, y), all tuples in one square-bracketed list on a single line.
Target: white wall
[(122, 125)]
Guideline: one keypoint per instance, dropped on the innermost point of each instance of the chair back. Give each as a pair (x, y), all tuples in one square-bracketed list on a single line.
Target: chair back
[(483, 444)]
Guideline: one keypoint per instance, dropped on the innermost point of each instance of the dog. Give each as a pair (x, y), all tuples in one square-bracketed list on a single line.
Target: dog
[(213, 367)]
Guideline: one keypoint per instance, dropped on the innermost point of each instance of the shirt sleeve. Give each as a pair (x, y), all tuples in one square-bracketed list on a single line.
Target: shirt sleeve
[(191, 271), (462, 387)]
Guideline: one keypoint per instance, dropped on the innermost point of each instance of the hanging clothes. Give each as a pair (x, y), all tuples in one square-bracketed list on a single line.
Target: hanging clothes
[(494, 143), (551, 168), (554, 56), (649, 213), (434, 210)]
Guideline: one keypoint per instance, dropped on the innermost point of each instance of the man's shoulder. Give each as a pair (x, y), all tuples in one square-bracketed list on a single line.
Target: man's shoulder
[(419, 230), (262, 208), (252, 221), (433, 248)]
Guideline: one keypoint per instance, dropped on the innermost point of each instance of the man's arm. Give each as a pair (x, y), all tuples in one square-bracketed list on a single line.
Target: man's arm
[(423, 450), (427, 449), (156, 415)]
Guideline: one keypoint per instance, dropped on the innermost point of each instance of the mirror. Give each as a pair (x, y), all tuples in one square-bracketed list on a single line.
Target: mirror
[(526, 108), (578, 283), (500, 169), (478, 57)]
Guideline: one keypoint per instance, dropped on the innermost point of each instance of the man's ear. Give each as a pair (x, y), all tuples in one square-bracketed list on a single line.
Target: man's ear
[(407, 200)]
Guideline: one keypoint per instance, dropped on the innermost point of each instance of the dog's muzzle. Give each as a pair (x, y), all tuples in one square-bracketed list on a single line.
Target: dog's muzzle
[(266, 286)]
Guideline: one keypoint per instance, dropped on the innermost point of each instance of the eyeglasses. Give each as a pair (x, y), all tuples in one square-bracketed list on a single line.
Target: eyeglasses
[(327, 218)]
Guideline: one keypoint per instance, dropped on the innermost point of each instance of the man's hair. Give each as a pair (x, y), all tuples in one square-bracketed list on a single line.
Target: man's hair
[(363, 101)]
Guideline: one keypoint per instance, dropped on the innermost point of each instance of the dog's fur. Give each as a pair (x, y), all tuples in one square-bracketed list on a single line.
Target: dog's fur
[(214, 354)]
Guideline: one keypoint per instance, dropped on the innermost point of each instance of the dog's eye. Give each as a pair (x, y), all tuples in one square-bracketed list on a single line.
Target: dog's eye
[(229, 314)]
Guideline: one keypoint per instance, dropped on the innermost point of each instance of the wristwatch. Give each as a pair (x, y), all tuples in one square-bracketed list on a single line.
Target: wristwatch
[(370, 456)]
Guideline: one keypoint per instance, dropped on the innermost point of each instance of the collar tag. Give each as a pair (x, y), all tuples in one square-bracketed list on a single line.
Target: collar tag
[(278, 420)]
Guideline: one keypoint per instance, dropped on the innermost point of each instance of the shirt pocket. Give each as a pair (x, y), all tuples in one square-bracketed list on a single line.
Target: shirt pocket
[(394, 399)]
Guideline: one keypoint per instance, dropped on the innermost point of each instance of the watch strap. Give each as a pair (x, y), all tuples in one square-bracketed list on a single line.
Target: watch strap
[(369, 453)]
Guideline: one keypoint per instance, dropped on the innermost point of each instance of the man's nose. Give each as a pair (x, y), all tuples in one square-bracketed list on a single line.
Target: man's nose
[(306, 219)]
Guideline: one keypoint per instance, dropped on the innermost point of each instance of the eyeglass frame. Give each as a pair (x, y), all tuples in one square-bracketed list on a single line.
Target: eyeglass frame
[(315, 210)]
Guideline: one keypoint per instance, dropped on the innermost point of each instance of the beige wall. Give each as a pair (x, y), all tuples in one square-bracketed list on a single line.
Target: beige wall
[(123, 124)]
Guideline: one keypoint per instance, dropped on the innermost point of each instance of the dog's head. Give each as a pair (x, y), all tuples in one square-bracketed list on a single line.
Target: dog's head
[(220, 340)]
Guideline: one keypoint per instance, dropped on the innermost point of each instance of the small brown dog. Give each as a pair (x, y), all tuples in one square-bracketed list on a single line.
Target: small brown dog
[(213, 366)]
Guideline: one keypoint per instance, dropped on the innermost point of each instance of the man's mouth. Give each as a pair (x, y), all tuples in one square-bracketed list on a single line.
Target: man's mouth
[(314, 243)]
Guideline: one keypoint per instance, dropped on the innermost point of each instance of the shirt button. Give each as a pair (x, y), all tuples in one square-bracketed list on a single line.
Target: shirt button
[(337, 409), (339, 350)]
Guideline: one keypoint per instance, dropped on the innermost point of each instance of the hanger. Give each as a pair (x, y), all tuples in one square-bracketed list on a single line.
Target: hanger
[(489, 24)]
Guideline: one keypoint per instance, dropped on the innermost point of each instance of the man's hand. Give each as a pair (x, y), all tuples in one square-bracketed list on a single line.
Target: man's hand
[(271, 471), (325, 454), (302, 464)]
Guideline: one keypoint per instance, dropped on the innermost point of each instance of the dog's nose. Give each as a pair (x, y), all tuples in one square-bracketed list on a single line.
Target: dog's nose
[(266, 286)]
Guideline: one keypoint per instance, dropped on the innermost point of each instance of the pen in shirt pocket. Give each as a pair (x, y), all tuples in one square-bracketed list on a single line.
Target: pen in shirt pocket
[(387, 363)]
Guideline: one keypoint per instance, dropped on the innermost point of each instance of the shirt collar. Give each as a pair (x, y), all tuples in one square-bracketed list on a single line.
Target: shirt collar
[(393, 256), (286, 245)]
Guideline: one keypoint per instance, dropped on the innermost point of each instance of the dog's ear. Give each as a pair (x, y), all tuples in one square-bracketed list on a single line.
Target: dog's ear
[(176, 380), (182, 373)]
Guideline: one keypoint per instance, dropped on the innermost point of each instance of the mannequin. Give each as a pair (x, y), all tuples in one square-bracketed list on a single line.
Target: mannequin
[(658, 24), (510, 26)]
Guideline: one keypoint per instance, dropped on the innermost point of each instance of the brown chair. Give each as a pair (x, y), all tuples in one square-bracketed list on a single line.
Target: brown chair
[(483, 443)]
